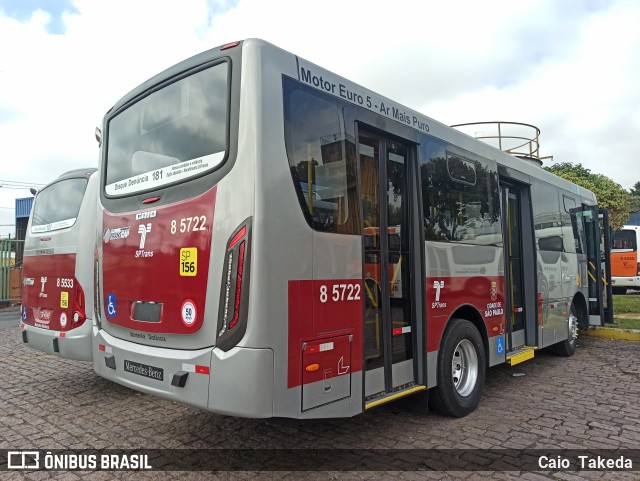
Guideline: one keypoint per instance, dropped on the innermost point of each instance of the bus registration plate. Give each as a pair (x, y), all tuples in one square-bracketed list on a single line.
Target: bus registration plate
[(144, 370)]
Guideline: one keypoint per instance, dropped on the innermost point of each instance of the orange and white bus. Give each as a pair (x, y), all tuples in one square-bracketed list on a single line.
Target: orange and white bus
[(254, 185), (625, 263), (57, 292)]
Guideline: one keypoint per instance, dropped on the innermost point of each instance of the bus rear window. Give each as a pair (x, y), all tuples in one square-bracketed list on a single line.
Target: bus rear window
[(625, 239), (57, 206), (171, 135)]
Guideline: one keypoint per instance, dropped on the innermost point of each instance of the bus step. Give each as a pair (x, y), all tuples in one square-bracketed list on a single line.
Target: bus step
[(520, 355), (391, 397)]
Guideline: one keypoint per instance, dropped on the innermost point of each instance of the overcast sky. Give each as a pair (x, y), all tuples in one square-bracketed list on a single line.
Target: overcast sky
[(572, 68)]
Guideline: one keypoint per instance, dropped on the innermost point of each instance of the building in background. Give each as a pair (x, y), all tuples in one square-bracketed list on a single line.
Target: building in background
[(634, 219), (23, 209), (11, 254)]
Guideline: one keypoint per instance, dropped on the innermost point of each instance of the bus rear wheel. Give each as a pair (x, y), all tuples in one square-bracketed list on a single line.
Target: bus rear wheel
[(461, 370)]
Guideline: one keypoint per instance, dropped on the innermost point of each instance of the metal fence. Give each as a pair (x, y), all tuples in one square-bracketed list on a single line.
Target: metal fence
[(11, 270)]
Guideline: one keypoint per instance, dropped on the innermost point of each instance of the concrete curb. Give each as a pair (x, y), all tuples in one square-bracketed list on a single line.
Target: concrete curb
[(612, 333)]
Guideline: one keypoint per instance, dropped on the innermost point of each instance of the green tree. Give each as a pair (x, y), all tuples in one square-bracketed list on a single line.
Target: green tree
[(635, 197), (610, 195)]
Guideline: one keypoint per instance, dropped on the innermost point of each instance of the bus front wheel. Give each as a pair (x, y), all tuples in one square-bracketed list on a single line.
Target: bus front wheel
[(461, 370), (567, 348)]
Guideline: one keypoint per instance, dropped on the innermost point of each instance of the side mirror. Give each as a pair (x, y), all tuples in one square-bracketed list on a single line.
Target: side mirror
[(99, 136), (33, 191)]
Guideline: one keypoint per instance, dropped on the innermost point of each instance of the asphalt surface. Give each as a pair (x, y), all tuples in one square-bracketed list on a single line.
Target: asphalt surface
[(588, 401)]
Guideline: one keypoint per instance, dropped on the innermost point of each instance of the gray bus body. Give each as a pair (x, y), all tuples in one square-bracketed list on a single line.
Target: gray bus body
[(253, 280)]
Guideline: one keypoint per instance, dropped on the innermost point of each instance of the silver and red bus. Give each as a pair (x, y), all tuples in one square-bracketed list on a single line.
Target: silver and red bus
[(57, 282), (253, 279)]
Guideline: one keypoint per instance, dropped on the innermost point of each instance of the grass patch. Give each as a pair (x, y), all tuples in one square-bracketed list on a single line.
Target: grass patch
[(624, 323), (626, 311), (626, 304)]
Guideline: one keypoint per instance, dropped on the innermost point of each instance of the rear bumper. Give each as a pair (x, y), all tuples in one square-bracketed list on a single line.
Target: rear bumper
[(74, 344), (630, 282), (236, 383)]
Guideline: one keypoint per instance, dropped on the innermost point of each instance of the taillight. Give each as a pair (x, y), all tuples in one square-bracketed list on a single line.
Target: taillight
[(96, 286), (79, 313), (232, 316), (239, 273)]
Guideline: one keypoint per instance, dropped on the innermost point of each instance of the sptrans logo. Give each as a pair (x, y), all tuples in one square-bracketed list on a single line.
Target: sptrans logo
[(437, 304), (143, 230), (43, 281)]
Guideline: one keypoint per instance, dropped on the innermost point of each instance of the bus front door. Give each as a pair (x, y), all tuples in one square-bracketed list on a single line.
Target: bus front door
[(389, 326), (519, 257), (596, 227)]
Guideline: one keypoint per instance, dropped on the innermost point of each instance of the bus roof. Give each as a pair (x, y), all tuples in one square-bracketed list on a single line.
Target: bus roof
[(511, 164)]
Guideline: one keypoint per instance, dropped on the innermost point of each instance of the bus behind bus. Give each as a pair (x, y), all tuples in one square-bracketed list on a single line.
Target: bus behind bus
[(625, 262), (57, 285)]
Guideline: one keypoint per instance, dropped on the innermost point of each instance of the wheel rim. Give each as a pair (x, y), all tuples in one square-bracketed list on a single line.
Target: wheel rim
[(464, 367), (573, 327)]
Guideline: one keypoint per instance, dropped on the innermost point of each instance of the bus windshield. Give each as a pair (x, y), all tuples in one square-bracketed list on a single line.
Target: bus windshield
[(57, 206), (175, 133), (625, 239)]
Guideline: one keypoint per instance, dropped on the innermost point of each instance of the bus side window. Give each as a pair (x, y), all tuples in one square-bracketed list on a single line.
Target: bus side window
[(322, 161), (572, 230), (460, 196), (548, 222)]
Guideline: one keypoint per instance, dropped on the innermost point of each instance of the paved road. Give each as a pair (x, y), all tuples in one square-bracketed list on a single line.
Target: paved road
[(9, 317), (591, 400)]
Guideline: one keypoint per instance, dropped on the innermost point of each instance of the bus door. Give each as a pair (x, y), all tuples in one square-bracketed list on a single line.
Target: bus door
[(596, 226), (389, 322), (606, 241), (519, 270)]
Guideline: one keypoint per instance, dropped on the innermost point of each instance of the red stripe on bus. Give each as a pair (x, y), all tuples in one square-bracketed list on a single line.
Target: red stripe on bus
[(314, 316), (485, 293), (315, 319)]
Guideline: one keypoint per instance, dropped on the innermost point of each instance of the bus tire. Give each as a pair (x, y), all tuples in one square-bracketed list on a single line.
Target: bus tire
[(619, 290), (461, 370), (567, 348)]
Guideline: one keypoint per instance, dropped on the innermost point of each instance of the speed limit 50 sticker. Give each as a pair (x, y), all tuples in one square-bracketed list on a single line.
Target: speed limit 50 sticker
[(188, 313)]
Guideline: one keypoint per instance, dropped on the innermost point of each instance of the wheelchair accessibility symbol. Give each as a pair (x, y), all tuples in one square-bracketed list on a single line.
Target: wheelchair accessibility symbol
[(111, 305), (500, 345)]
